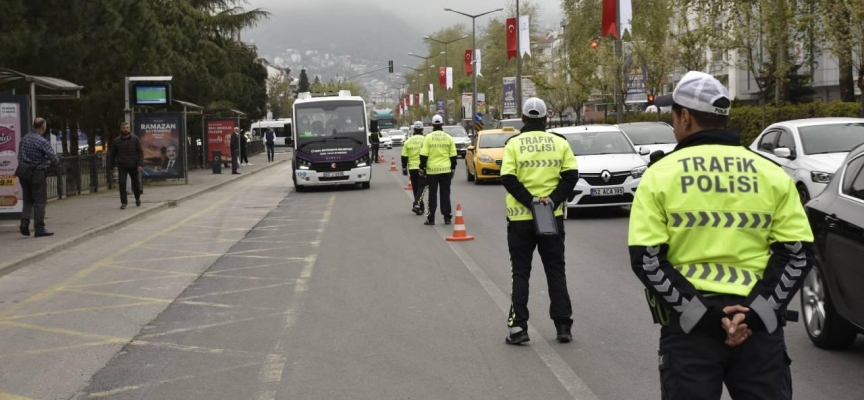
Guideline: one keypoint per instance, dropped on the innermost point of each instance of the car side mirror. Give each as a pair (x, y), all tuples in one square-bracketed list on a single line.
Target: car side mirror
[(644, 151), (784, 152), (470, 148)]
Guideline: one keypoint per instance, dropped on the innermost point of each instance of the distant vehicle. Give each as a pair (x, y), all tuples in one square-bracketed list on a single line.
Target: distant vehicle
[(281, 127), (331, 143), (406, 130), (460, 137), (515, 123), (810, 150), (397, 137), (483, 160), (386, 120), (654, 136), (85, 148), (831, 298), (610, 168), (386, 140)]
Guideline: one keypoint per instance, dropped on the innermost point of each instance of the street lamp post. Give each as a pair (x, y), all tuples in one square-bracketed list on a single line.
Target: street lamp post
[(425, 58), (474, 53), (446, 64)]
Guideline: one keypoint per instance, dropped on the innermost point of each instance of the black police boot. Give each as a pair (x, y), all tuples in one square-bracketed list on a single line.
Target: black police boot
[(448, 220), (25, 227), (518, 337), (564, 335), (43, 233), (416, 210), (429, 221)]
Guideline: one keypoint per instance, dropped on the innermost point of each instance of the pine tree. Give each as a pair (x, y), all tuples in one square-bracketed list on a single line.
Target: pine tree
[(303, 86)]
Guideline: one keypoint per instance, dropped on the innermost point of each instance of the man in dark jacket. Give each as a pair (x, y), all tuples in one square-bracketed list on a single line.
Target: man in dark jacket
[(270, 141), (128, 157), (235, 151)]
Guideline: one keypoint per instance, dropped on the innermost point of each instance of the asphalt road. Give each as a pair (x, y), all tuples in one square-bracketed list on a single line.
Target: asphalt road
[(256, 292)]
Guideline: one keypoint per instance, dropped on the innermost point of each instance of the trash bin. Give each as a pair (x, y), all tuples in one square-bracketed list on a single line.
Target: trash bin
[(217, 162)]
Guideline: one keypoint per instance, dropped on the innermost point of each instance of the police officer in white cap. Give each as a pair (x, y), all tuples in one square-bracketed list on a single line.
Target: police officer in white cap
[(537, 166), (438, 165)]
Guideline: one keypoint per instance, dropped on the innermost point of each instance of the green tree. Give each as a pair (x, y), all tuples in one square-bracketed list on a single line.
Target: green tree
[(303, 86)]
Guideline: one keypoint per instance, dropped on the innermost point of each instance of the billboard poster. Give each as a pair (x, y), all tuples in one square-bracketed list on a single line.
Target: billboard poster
[(13, 120), (481, 103), (163, 141), (509, 96), (219, 132), (466, 104), (528, 89), (439, 107)]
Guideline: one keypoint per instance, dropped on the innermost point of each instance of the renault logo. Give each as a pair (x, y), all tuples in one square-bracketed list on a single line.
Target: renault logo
[(606, 175)]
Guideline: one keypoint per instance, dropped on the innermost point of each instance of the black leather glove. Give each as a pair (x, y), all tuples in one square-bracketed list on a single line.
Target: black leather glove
[(405, 171), (712, 323)]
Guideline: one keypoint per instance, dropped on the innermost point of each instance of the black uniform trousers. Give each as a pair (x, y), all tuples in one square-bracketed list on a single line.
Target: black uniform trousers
[(418, 184), (522, 239), (244, 155), (375, 147), (271, 151), (695, 366), (131, 173), (34, 191), (439, 182), (234, 163)]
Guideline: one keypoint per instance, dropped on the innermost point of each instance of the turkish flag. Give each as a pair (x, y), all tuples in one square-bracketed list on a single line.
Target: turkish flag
[(417, 98), (512, 43), (442, 76), (609, 26), (469, 68)]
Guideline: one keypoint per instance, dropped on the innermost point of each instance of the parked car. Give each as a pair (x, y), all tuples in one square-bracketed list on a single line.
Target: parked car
[(397, 137), (460, 137), (810, 150), (654, 136), (386, 141), (610, 168), (406, 130), (483, 159), (832, 299)]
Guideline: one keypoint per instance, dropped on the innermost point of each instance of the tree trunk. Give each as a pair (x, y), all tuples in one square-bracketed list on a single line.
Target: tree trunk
[(64, 135), (73, 135), (847, 78), (861, 87)]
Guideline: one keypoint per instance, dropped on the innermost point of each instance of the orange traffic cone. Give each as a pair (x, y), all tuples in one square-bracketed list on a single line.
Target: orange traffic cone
[(381, 158), (409, 187), (393, 165), (459, 232)]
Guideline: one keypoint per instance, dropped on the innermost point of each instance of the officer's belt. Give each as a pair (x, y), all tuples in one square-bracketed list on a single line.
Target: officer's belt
[(718, 273)]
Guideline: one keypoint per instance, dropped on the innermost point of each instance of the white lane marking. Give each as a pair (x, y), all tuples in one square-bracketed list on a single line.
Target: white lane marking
[(574, 385)]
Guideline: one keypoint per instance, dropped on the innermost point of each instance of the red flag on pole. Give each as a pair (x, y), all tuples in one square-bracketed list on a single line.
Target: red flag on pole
[(512, 45), (610, 19), (442, 76), (417, 98), (468, 62)]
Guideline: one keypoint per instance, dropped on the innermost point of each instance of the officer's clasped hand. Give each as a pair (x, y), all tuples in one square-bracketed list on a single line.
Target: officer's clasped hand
[(736, 330), (405, 171)]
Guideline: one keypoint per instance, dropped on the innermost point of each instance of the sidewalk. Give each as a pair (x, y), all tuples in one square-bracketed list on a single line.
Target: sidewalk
[(76, 219)]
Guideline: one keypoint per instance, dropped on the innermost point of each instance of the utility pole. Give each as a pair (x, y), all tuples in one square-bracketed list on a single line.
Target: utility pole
[(518, 62), (619, 63)]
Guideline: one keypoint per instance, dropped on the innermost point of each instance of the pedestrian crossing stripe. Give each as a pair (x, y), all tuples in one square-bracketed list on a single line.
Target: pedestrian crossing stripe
[(720, 219), (718, 273), (540, 163)]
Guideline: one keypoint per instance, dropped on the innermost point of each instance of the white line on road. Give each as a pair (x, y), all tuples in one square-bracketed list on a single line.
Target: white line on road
[(568, 378)]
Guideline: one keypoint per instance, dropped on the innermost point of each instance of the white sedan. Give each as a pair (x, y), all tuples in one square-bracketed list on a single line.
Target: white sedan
[(610, 168), (654, 136), (810, 150), (397, 137)]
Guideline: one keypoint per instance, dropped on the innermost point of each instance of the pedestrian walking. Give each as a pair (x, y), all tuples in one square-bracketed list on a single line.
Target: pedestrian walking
[(270, 142), (538, 167), (244, 142), (32, 172), (437, 166), (720, 240), (127, 157), (411, 167), (235, 151), (375, 142)]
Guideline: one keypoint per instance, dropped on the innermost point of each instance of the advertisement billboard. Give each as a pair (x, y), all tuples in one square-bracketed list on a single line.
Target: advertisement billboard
[(439, 107), (528, 89), (163, 141), (13, 120), (509, 106), (219, 132)]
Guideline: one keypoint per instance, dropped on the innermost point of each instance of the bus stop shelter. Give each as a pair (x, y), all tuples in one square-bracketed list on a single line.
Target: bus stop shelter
[(61, 89)]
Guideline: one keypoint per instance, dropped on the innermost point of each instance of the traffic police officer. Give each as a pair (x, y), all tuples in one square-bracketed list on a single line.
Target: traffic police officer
[(437, 165), (720, 240), (537, 165), (411, 164), (375, 140)]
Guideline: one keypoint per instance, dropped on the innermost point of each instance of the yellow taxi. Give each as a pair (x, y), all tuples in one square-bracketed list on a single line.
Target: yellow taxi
[(483, 158)]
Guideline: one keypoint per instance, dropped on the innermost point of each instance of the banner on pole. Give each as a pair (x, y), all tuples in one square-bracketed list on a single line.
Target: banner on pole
[(449, 77), (163, 141), (524, 36), (512, 46), (469, 60), (442, 77)]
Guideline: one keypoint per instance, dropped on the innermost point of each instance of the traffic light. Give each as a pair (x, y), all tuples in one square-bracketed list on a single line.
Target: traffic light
[(390, 64)]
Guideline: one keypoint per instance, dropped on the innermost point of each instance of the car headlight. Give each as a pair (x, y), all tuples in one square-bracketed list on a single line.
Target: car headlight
[(637, 172), (486, 159), (821, 177)]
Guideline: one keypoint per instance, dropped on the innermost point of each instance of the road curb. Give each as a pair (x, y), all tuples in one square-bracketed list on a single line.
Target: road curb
[(14, 265)]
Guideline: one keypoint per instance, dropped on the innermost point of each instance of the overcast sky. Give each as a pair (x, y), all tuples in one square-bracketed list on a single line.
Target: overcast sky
[(429, 15)]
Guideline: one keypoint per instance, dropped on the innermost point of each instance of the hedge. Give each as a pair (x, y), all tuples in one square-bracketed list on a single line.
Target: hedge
[(748, 119)]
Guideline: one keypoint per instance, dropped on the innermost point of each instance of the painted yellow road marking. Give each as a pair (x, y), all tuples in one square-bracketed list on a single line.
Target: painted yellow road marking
[(8, 396), (61, 331), (77, 310), (227, 292)]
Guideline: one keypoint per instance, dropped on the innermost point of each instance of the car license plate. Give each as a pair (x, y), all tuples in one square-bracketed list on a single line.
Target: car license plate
[(607, 192), (333, 174)]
